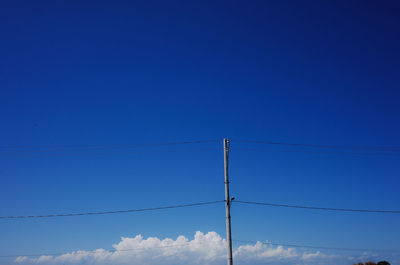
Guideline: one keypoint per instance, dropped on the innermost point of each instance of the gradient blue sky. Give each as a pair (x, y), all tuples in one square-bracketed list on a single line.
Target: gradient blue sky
[(125, 72)]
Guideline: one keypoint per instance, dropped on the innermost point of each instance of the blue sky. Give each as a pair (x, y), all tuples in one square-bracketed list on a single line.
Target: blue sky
[(100, 73)]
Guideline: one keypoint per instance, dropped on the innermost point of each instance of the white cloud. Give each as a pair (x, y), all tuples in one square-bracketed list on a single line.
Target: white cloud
[(204, 249)]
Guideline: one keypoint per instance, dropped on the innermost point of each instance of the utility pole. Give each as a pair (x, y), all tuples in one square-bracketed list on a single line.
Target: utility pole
[(227, 202)]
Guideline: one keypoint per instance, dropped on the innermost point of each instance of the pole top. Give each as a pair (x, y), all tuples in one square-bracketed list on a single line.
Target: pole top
[(226, 144)]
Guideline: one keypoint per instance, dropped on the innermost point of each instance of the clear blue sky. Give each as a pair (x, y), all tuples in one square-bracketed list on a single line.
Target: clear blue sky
[(125, 72)]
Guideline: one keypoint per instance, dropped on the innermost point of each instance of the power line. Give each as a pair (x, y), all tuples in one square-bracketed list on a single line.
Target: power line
[(44, 148), (113, 212), (113, 145), (392, 154), (94, 251), (382, 148), (117, 146), (189, 243), (101, 149), (318, 208), (315, 247), (61, 148), (106, 152)]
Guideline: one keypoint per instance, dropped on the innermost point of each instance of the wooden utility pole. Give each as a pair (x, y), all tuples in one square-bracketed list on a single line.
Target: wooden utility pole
[(227, 202)]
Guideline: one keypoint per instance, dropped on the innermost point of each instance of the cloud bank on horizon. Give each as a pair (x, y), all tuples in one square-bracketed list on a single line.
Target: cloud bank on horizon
[(204, 249)]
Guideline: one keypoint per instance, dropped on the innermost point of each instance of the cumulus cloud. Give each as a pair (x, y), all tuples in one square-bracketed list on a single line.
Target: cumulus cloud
[(205, 249)]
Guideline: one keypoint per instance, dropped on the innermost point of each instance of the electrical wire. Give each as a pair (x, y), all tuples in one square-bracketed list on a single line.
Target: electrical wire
[(112, 212), (318, 208), (382, 148), (105, 152), (95, 251), (50, 148), (186, 244), (315, 247), (391, 154), (113, 145)]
